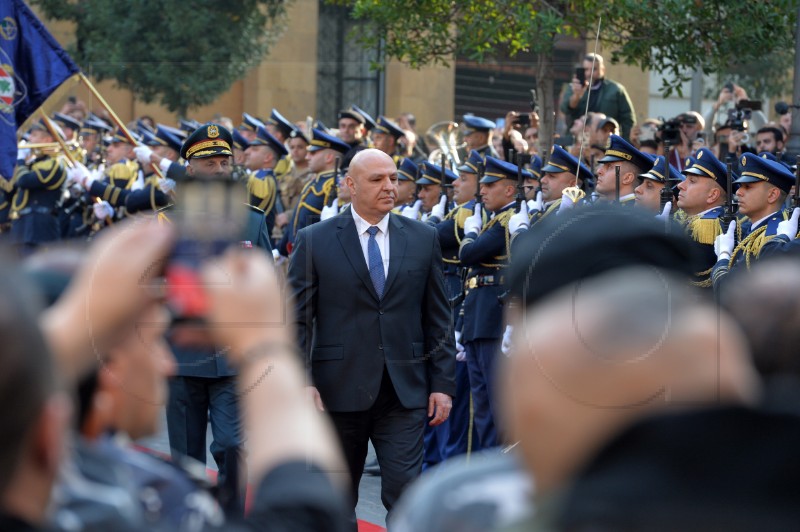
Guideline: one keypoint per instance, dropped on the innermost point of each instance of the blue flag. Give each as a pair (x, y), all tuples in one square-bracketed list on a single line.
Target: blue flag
[(32, 66)]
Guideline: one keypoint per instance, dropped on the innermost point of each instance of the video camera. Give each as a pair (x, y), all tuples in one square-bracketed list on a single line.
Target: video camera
[(670, 130), (739, 117)]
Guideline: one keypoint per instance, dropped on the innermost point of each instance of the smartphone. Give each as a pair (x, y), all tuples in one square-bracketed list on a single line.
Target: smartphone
[(580, 73), (524, 120)]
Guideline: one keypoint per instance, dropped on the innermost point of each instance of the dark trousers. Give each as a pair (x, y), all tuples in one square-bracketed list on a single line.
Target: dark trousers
[(395, 432), (481, 358), (192, 402), (462, 436)]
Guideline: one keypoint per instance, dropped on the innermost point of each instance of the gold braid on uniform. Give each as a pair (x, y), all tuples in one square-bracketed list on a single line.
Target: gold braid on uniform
[(309, 189), (123, 171), (704, 231), (263, 189), (501, 219), (751, 246)]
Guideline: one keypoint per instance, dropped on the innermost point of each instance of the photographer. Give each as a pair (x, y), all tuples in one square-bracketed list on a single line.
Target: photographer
[(645, 136), (689, 126), (730, 99), (770, 138), (515, 127), (603, 95)]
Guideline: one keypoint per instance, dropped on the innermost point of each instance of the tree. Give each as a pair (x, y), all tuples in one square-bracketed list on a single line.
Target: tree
[(676, 34), (183, 53)]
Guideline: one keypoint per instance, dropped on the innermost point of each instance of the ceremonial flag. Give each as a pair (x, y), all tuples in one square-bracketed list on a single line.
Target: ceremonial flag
[(32, 66)]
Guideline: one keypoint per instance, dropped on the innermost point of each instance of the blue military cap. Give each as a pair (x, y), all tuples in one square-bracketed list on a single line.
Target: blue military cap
[(208, 140), (189, 125), (562, 161), (162, 137), (94, 124), (322, 141), (142, 126), (66, 121), (282, 124), (179, 133), (352, 114), (755, 169), (296, 133), (536, 166), (705, 164), (432, 175), (239, 142), (120, 136), (408, 170), (474, 123), (620, 149), (473, 163), (496, 170), (657, 172), (772, 157), (368, 120), (250, 123), (264, 138), (384, 125), (319, 124)]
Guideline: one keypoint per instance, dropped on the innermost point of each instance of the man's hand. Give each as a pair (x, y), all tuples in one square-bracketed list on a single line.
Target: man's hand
[(77, 174), (723, 244), (439, 404), (665, 213), (313, 395), (102, 210), (520, 220), (329, 212), (474, 223), (143, 154), (536, 205), (505, 347), (412, 211), (566, 203), (438, 209), (282, 219), (789, 227), (461, 353)]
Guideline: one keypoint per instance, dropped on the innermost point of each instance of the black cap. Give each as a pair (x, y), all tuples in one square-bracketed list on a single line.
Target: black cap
[(559, 250), (207, 140)]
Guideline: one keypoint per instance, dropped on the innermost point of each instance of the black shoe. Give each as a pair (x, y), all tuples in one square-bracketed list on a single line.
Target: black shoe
[(372, 468)]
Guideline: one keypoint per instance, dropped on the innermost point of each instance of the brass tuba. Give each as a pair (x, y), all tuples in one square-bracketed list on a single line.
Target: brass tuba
[(445, 138)]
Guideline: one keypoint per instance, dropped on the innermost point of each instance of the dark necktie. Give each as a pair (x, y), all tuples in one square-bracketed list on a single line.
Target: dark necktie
[(375, 262)]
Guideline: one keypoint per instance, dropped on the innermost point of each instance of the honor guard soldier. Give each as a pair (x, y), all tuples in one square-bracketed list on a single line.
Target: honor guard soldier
[(352, 131), (320, 191), (386, 136), (162, 148), (533, 183), (701, 202), (90, 139), (478, 135), (240, 145), (764, 185), (651, 183), (249, 126), (280, 128), (68, 125), (369, 124), (485, 251), (261, 157), (37, 185), (122, 173), (631, 162), (432, 190), (292, 183), (406, 185)]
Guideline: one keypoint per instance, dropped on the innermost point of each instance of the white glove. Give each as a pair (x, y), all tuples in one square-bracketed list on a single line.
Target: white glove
[(566, 203), (665, 213), (77, 174), (461, 353), (143, 154), (102, 210), (519, 220), (505, 347), (474, 223), (166, 185), (93, 176), (724, 243), (413, 211), (536, 204), (23, 154), (424, 216), (789, 227), (329, 212), (438, 209)]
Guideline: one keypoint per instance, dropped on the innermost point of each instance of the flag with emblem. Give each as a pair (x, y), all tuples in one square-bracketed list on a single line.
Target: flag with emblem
[(32, 66)]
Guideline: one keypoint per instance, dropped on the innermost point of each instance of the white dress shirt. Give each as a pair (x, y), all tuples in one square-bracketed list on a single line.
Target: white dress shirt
[(381, 237)]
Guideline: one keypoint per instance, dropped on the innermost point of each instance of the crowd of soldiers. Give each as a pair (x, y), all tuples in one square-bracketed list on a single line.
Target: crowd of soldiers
[(480, 196)]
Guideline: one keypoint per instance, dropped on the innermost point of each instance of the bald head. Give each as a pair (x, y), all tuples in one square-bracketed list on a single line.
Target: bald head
[(372, 181), (599, 355)]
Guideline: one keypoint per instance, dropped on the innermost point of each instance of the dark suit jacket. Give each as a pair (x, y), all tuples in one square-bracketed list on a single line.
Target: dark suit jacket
[(348, 334)]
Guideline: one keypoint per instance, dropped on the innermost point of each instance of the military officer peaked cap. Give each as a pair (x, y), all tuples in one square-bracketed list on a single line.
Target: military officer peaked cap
[(161, 137), (282, 124), (323, 141), (497, 170), (352, 114), (755, 169), (189, 125), (239, 142), (657, 172), (474, 123), (250, 123), (264, 138), (432, 175), (705, 164), (66, 121), (473, 162), (208, 140), (773, 158), (120, 136), (620, 149), (408, 170), (94, 125), (368, 120), (296, 133), (384, 125), (562, 161), (536, 166)]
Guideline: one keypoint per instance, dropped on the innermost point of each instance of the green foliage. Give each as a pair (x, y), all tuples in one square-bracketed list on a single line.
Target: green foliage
[(666, 35), (183, 53)]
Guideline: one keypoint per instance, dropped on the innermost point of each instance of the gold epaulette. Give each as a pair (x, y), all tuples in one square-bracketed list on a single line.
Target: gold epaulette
[(681, 217), (123, 171), (283, 167), (50, 172), (6, 185), (704, 230), (501, 219), (260, 188)]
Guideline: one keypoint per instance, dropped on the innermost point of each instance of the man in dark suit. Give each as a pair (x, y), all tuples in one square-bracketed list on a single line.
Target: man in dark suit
[(374, 323)]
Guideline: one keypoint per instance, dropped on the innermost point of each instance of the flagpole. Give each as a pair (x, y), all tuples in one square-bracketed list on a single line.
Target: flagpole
[(115, 118), (55, 134)]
